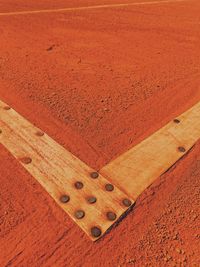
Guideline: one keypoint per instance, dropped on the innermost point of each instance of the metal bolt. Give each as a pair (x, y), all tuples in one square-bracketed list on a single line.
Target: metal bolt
[(39, 133), (26, 160), (94, 175), (181, 149), (95, 231), (78, 185), (126, 202), (177, 121), (109, 187), (111, 216), (64, 198), (91, 200), (79, 214), (7, 107)]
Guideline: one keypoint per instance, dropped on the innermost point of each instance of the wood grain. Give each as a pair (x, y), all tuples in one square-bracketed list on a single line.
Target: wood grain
[(57, 170), (137, 168)]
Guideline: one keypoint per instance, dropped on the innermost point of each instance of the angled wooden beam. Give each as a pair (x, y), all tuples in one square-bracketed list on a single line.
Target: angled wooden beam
[(87, 197), (96, 200), (137, 168)]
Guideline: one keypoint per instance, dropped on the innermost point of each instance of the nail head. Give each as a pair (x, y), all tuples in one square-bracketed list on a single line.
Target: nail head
[(79, 214), (95, 231), (64, 198), (26, 160), (94, 175), (7, 107), (126, 202), (78, 185), (177, 121), (111, 216), (109, 187), (91, 200), (181, 149), (39, 133)]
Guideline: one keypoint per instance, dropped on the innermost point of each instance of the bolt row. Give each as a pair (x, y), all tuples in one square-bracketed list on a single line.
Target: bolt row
[(79, 214)]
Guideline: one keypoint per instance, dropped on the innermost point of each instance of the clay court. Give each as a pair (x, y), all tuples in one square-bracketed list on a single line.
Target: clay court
[(99, 77)]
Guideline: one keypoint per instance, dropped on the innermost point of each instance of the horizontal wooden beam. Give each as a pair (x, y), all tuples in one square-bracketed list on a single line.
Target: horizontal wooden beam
[(87, 197), (137, 168)]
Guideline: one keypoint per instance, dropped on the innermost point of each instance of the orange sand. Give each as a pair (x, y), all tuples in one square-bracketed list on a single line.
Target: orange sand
[(98, 82)]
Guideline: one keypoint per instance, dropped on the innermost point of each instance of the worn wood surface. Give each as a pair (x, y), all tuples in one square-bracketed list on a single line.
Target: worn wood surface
[(137, 168), (131, 173), (57, 170)]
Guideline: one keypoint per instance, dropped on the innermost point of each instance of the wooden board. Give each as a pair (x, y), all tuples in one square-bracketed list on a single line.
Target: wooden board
[(58, 171), (137, 168)]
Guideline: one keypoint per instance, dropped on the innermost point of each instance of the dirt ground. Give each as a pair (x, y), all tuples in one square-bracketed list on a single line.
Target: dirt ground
[(99, 81)]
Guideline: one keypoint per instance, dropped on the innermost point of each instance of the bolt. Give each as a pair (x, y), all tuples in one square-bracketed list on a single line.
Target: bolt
[(64, 198), (111, 216), (126, 202), (177, 121), (109, 187), (79, 214), (94, 175), (91, 200), (7, 107), (95, 231), (181, 149), (78, 185), (26, 160), (39, 133)]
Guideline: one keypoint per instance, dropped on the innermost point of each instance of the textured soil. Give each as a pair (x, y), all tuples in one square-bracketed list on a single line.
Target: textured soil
[(98, 82)]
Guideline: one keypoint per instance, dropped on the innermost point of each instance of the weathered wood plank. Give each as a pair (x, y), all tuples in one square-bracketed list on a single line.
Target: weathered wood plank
[(137, 168), (58, 171)]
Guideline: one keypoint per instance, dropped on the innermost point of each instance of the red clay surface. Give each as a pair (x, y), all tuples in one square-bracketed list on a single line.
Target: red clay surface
[(98, 82)]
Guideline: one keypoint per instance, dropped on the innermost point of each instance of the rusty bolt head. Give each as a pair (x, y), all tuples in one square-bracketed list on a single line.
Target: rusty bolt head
[(94, 175), (39, 133), (177, 121), (95, 231), (79, 214), (109, 187), (78, 185), (64, 198), (126, 202), (181, 149), (26, 160), (91, 200), (111, 216), (7, 107)]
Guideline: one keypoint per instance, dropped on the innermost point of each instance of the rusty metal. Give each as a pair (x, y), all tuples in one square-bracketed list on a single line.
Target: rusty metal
[(126, 202), (177, 121), (96, 231), (91, 200), (39, 133), (109, 187), (7, 108), (94, 175), (78, 185), (111, 216), (26, 160), (181, 149), (64, 198), (79, 214)]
